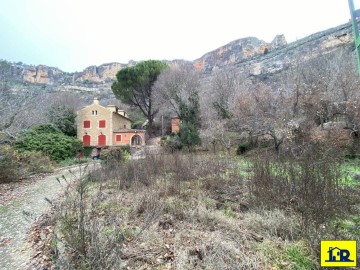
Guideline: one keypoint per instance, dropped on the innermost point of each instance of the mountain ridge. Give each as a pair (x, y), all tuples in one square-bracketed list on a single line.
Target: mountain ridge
[(250, 55)]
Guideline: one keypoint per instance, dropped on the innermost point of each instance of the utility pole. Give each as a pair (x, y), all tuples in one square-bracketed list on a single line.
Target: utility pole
[(354, 15), (162, 125)]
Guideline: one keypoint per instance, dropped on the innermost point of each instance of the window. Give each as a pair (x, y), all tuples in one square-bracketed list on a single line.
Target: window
[(118, 138), (102, 124), (125, 126), (86, 124), (94, 112)]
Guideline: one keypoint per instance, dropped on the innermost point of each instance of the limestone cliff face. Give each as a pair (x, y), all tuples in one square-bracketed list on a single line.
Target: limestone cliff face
[(94, 74), (41, 74), (234, 52), (100, 74), (250, 55)]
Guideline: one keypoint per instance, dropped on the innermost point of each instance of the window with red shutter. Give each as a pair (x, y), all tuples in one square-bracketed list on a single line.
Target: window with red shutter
[(118, 138), (102, 124), (86, 124)]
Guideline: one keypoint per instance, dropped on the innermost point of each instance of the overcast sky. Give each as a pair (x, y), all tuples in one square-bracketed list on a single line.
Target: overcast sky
[(74, 34)]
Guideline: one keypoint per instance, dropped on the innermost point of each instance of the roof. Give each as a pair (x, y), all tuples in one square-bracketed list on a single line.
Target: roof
[(122, 116), (129, 131)]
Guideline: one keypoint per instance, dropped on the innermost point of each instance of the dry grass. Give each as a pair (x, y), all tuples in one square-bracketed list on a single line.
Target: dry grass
[(171, 212)]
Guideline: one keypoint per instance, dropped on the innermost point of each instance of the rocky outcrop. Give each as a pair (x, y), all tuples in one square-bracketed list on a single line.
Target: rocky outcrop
[(48, 75), (100, 74), (278, 42), (41, 74), (237, 51), (279, 54), (250, 55)]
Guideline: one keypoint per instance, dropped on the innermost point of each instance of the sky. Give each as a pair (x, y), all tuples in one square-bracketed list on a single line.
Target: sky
[(75, 34)]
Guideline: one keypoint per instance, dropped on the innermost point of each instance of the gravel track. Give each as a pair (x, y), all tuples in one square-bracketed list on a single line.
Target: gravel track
[(17, 215)]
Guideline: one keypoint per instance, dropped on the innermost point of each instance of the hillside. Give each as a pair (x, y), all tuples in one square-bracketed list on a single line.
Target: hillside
[(248, 56)]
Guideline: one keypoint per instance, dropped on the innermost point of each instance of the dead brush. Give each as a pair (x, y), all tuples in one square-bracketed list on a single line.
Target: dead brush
[(310, 186)]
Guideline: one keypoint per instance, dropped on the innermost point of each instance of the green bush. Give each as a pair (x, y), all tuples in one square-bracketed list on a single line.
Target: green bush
[(242, 148), (63, 117), (50, 141), (189, 135), (137, 124), (171, 143)]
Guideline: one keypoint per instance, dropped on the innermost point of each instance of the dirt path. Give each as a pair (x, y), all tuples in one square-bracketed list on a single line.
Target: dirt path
[(27, 202)]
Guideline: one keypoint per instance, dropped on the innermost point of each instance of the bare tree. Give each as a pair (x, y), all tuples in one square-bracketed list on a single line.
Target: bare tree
[(262, 111), (177, 87)]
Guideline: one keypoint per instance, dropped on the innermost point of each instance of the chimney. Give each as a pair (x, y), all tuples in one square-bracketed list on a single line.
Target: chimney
[(122, 112), (112, 108), (96, 100)]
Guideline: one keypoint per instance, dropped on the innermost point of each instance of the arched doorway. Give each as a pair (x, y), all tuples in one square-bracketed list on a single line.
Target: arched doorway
[(102, 140), (136, 140), (86, 140)]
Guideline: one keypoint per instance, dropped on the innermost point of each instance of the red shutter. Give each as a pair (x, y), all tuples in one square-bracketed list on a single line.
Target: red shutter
[(86, 124), (118, 138), (102, 140), (86, 140), (102, 124)]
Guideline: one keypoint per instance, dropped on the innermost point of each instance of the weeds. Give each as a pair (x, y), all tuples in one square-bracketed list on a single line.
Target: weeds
[(309, 186), (185, 211)]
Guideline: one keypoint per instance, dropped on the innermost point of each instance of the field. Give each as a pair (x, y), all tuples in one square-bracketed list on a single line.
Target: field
[(206, 211)]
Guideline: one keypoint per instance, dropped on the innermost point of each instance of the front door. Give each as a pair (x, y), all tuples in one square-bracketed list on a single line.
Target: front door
[(102, 140)]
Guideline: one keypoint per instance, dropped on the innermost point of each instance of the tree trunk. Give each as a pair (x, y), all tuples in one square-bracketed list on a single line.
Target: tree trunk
[(150, 127)]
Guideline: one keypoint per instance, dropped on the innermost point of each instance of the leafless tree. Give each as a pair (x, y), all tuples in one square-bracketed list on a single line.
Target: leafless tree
[(262, 110), (176, 86)]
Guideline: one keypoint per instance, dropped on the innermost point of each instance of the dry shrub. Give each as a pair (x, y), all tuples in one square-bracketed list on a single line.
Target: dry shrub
[(162, 193), (195, 249), (274, 223), (37, 162), (9, 164), (310, 185)]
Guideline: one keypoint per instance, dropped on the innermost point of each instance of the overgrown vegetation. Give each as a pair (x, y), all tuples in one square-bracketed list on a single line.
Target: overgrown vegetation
[(189, 211), (50, 141), (15, 165)]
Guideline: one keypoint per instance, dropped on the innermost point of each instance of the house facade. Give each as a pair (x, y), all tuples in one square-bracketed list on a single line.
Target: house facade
[(98, 125)]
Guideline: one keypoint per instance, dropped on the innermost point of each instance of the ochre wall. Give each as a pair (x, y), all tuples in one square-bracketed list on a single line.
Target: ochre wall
[(118, 122), (126, 137), (114, 122), (175, 125), (94, 131)]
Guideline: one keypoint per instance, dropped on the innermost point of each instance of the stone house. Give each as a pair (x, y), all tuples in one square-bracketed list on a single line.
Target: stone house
[(106, 126)]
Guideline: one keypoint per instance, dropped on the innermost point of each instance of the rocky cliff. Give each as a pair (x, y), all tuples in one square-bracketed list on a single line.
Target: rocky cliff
[(250, 55), (238, 51), (255, 57)]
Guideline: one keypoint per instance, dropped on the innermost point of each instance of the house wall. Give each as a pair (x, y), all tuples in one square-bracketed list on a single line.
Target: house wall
[(118, 122), (126, 137), (94, 131), (114, 125), (175, 125)]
